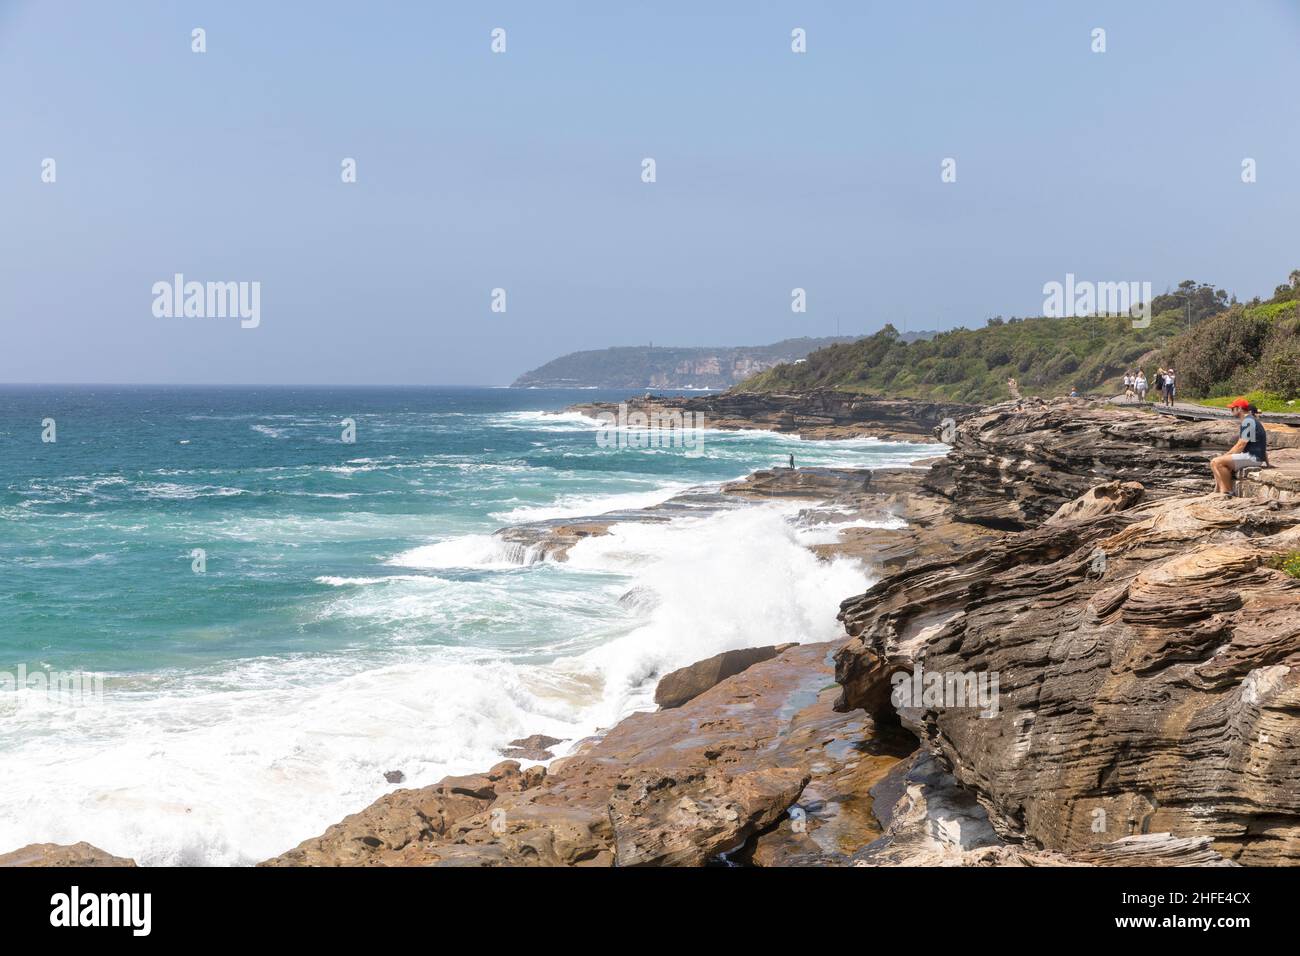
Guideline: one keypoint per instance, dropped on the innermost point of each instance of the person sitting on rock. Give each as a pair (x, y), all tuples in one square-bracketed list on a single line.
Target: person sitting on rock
[(1250, 450)]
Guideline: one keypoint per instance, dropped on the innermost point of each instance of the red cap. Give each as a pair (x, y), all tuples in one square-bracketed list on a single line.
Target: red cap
[(1239, 403)]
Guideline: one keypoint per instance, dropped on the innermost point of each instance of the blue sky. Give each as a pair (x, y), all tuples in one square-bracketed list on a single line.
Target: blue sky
[(523, 171)]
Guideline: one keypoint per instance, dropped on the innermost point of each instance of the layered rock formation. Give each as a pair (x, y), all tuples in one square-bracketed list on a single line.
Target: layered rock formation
[(1281, 482), (1015, 464), (1144, 651)]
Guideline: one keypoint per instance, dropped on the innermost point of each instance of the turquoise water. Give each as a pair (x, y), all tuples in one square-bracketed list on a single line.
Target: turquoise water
[(353, 614)]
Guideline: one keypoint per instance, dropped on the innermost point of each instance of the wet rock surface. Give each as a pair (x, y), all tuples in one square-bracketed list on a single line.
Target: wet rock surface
[(685, 818), (687, 683), (673, 787)]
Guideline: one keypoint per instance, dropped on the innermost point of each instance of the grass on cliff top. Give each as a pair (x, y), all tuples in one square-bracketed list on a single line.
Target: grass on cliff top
[(1267, 402)]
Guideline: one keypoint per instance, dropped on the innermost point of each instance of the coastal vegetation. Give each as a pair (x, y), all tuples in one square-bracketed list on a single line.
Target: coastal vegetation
[(1290, 563), (1220, 347)]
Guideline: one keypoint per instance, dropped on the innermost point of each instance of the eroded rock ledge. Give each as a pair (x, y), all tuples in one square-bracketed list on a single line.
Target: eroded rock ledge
[(1146, 653), (1013, 465)]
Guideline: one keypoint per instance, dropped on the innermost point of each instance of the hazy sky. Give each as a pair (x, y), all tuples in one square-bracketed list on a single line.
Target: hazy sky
[(522, 170)]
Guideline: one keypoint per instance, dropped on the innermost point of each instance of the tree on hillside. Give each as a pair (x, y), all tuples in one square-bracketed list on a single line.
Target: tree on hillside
[(1204, 298)]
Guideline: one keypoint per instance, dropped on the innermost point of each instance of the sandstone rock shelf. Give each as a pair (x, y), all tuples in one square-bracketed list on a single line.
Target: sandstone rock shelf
[(1146, 655)]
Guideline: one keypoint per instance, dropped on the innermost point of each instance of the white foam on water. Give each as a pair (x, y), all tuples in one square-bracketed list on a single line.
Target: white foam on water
[(242, 765), (341, 582), (729, 580), (171, 491), (480, 551), (579, 506), (237, 775), (829, 532), (541, 421)]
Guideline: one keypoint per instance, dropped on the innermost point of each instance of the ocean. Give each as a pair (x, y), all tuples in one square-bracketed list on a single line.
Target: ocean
[(278, 617)]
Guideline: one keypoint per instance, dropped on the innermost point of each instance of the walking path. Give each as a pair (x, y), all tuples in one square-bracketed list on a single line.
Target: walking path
[(1206, 413)]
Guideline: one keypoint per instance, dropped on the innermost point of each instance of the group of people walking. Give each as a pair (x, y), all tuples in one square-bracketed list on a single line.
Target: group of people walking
[(1164, 381)]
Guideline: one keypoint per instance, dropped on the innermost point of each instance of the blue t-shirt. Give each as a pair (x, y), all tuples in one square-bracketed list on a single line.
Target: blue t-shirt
[(1252, 433)]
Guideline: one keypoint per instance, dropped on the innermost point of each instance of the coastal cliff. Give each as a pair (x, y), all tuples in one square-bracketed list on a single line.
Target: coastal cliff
[(649, 366), (1146, 643), (1140, 637)]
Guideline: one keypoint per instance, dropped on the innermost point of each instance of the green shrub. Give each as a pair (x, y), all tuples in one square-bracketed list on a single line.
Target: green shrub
[(1279, 369), (1218, 349), (1290, 563)]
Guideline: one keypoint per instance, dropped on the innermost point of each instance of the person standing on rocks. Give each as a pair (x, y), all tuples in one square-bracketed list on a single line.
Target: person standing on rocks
[(792, 461), (1250, 450)]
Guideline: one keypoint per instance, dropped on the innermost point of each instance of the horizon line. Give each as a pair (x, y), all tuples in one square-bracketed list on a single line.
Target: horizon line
[(522, 388)]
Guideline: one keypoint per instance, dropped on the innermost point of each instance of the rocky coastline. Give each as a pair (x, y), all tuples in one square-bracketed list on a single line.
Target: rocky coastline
[(819, 414), (1144, 640)]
